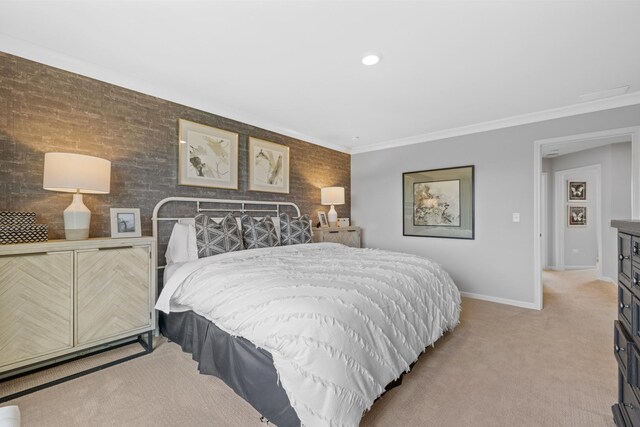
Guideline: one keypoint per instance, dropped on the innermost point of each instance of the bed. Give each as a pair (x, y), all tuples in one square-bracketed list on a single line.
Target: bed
[(309, 334)]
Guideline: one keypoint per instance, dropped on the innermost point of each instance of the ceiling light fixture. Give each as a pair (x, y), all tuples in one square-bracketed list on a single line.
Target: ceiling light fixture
[(371, 59)]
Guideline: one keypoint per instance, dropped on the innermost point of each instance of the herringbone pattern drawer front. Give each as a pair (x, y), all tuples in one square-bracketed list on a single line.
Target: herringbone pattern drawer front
[(36, 305), (112, 293)]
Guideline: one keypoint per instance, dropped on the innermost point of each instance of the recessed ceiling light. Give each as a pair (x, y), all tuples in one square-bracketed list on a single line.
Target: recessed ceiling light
[(371, 59)]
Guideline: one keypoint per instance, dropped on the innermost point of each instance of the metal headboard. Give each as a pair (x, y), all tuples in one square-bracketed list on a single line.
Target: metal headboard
[(234, 206)]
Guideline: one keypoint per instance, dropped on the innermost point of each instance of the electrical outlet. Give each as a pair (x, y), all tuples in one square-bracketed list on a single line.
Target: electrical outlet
[(516, 217)]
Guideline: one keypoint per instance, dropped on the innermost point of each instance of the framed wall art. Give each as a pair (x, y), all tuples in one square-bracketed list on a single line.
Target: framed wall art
[(268, 166), (125, 222), (577, 216), (439, 203), (208, 157), (577, 191)]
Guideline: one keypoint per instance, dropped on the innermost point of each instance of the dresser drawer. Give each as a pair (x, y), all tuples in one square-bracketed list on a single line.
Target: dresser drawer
[(624, 257), (629, 405), (625, 305), (634, 283), (635, 249), (622, 347)]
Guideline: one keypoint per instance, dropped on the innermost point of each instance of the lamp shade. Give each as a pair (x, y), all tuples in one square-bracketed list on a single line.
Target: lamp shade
[(332, 196), (72, 173)]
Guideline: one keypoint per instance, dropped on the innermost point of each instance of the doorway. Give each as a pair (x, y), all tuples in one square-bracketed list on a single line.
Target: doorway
[(584, 142)]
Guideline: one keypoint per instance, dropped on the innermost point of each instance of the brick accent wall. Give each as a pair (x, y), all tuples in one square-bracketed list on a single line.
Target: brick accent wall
[(44, 109)]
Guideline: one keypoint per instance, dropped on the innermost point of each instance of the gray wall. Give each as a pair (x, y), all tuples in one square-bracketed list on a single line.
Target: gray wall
[(499, 262), (45, 109), (615, 164)]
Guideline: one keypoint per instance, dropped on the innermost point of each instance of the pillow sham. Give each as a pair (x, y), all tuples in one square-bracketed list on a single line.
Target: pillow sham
[(294, 231), (213, 238), (259, 233), (182, 244)]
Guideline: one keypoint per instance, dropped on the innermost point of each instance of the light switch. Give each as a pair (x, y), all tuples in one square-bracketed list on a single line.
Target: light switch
[(516, 217)]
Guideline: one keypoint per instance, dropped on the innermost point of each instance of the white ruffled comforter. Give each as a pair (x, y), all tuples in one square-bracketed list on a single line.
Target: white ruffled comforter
[(340, 323)]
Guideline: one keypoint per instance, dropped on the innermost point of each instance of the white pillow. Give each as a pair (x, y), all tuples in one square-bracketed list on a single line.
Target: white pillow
[(182, 244)]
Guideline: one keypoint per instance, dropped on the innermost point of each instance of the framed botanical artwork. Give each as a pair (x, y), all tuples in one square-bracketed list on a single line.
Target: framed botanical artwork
[(439, 203), (268, 166), (208, 157), (577, 191), (125, 222), (322, 219), (577, 216)]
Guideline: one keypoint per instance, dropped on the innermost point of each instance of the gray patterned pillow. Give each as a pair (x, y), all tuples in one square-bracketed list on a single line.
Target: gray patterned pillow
[(294, 231), (213, 238), (259, 233)]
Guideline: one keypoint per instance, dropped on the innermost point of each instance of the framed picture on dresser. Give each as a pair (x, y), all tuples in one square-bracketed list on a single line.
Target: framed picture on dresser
[(125, 222)]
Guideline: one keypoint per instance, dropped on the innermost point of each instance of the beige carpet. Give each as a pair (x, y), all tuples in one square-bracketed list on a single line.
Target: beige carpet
[(502, 366)]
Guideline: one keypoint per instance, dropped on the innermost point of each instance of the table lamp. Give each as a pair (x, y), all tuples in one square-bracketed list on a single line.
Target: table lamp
[(76, 173), (332, 196)]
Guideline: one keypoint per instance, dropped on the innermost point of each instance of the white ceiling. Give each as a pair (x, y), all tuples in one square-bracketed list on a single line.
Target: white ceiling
[(448, 67)]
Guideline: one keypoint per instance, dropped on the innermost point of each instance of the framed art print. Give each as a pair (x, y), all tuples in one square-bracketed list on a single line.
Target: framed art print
[(439, 203), (577, 191), (208, 157), (577, 216), (268, 166), (125, 222), (322, 219)]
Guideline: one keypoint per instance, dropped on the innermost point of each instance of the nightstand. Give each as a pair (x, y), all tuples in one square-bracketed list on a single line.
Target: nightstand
[(349, 236)]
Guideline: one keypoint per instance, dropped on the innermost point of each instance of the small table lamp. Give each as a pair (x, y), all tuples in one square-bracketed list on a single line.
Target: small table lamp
[(76, 173), (332, 196)]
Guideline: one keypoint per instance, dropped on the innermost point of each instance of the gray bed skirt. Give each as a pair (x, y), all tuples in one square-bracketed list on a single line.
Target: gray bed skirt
[(248, 370)]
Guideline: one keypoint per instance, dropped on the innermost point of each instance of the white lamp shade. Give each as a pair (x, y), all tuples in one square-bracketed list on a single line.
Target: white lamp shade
[(72, 173), (332, 196)]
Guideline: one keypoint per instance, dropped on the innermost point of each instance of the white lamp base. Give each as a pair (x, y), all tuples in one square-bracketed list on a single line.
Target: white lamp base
[(333, 217), (77, 218)]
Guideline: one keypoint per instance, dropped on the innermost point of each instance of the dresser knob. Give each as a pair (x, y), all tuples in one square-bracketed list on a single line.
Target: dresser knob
[(635, 279), (635, 249), (623, 306), (622, 257), (629, 405), (619, 349)]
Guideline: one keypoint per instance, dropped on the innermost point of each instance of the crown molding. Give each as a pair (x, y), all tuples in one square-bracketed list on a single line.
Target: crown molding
[(55, 59), (554, 113), (49, 57)]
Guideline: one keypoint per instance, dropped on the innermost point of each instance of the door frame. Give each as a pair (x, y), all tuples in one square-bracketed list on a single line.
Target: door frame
[(634, 135)]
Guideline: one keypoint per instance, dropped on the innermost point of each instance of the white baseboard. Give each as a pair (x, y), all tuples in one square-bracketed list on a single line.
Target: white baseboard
[(608, 279), (580, 267), (499, 300)]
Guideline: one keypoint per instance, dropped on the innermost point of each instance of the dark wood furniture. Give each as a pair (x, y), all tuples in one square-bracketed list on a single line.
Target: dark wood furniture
[(626, 331)]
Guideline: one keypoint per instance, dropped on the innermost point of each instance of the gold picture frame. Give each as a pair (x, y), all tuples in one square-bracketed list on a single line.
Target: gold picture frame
[(268, 166), (207, 156)]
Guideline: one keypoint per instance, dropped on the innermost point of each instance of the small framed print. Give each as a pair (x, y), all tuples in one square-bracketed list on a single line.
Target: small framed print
[(577, 191), (207, 157), (577, 216), (322, 218), (125, 222), (268, 166)]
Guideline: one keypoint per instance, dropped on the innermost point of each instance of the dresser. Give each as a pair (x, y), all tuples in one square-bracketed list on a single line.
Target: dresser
[(60, 298), (349, 236), (626, 330)]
